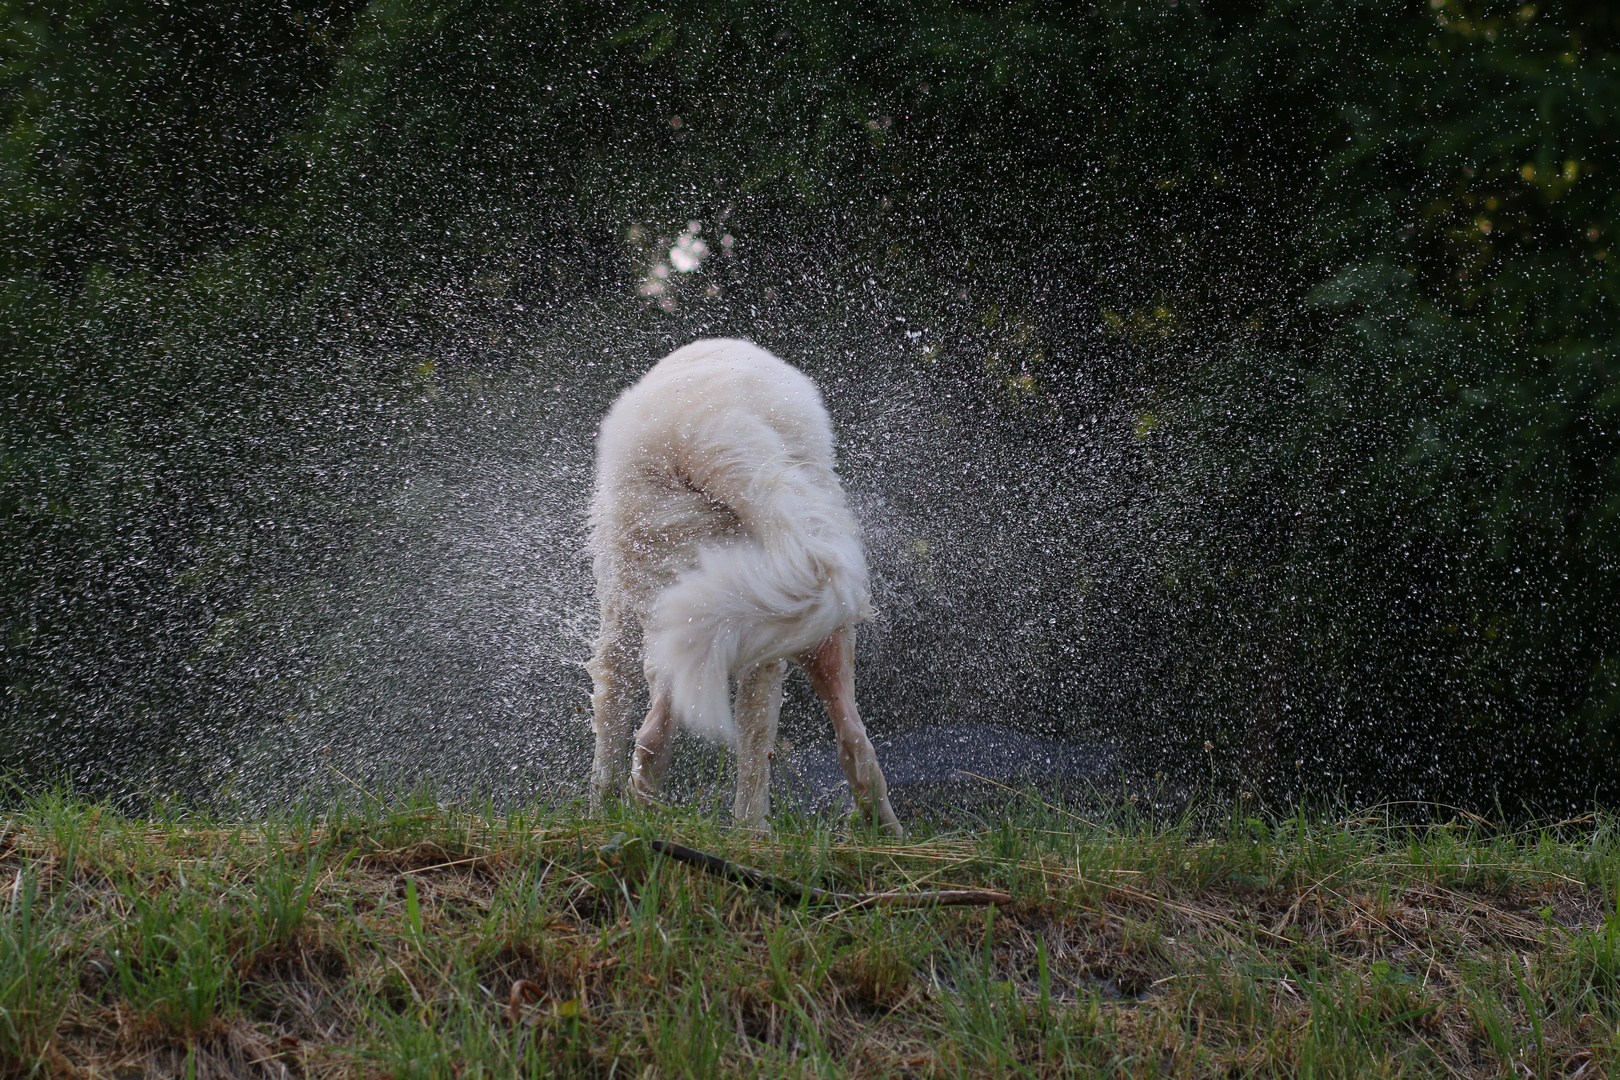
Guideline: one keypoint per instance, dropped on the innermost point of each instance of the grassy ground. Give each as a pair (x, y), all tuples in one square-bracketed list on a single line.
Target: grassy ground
[(416, 940)]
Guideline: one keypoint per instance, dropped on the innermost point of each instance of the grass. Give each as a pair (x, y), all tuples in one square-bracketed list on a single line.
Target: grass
[(415, 940)]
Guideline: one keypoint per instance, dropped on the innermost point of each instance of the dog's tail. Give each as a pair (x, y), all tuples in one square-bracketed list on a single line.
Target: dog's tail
[(798, 577)]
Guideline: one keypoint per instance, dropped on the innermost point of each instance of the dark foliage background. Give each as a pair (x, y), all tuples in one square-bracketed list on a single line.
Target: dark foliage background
[(1239, 375)]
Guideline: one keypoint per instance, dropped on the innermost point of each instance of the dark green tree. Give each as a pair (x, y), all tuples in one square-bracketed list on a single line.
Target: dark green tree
[(1282, 339)]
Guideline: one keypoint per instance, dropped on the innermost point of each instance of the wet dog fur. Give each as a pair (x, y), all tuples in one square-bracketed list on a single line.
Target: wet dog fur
[(723, 548)]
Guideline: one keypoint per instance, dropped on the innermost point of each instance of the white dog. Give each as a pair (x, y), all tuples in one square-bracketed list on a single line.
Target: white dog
[(723, 547)]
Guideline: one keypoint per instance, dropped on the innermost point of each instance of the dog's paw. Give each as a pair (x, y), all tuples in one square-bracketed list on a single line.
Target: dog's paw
[(862, 819), (643, 793)]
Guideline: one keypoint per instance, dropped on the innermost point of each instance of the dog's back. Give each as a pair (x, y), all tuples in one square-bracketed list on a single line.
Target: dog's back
[(719, 524)]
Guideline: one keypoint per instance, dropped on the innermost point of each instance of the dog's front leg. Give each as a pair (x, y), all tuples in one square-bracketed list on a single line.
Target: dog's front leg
[(651, 758), (759, 703), (615, 670)]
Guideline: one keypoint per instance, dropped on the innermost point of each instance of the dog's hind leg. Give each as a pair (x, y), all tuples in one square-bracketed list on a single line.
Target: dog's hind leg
[(831, 667), (759, 703), (616, 672)]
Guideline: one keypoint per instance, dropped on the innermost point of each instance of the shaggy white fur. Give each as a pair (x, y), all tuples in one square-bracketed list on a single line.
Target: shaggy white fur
[(723, 546)]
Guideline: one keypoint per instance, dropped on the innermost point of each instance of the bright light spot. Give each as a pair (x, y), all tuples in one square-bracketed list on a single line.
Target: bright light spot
[(689, 251)]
